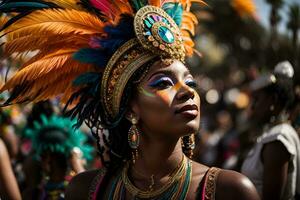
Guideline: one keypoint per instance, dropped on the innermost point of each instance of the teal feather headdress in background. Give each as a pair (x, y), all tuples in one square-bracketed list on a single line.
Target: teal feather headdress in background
[(57, 135)]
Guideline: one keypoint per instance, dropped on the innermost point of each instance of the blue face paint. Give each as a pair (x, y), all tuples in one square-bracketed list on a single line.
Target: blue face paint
[(162, 83)]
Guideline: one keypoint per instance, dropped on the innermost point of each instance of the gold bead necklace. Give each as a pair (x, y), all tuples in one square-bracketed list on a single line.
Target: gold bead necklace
[(174, 176)]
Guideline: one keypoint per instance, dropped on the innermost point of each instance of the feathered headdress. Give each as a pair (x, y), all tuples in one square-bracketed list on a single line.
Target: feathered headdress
[(87, 50), (57, 135)]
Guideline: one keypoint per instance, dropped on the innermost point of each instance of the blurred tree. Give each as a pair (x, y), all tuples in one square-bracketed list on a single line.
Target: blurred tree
[(234, 25), (274, 15), (294, 25)]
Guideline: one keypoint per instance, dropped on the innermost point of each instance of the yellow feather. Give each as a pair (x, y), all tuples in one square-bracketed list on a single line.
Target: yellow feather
[(56, 21)]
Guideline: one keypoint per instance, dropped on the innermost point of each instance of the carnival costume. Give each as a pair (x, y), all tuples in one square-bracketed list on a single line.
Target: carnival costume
[(57, 135), (87, 52)]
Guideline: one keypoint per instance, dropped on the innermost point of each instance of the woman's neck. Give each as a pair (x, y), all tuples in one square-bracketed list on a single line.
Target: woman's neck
[(157, 158)]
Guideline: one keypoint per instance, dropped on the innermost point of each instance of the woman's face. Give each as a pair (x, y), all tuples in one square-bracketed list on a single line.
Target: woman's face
[(167, 103), (260, 107)]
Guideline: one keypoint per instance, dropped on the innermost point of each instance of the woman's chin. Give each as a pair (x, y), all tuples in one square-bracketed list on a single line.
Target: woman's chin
[(188, 129)]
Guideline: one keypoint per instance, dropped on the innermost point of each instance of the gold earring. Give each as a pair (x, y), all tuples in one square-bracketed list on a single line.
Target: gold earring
[(134, 139), (188, 145)]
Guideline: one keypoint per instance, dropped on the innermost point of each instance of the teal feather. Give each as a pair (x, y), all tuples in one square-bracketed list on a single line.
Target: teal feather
[(86, 79), (138, 4), (7, 7), (175, 10), (92, 56), (51, 143)]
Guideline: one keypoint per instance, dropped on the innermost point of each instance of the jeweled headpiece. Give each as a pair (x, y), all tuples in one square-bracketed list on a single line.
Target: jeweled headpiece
[(87, 50)]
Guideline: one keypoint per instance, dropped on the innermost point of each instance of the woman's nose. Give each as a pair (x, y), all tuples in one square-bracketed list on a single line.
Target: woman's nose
[(185, 93)]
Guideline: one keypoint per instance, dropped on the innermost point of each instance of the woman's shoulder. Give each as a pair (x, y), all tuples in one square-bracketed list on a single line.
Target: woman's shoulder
[(216, 183), (233, 185), (82, 185)]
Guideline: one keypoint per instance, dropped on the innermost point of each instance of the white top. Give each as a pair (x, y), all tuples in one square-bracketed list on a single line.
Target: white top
[(253, 166)]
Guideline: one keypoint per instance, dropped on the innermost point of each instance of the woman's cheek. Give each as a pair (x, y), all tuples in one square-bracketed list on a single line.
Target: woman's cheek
[(164, 96), (168, 95)]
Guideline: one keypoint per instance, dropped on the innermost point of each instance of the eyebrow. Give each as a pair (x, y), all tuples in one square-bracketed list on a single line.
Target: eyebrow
[(169, 73)]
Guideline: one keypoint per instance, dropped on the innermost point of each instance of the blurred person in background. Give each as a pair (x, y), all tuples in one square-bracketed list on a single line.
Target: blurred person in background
[(219, 146), (7, 133), (273, 163), (295, 111), (61, 152), (26, 159), (8, 185)]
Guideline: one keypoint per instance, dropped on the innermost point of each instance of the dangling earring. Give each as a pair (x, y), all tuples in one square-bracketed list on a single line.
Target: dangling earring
[(188, 145), (134, 139), (272, 108)]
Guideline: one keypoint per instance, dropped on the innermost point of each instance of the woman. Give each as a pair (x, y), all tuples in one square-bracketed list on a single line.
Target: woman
[(273, 164), (132, 81)]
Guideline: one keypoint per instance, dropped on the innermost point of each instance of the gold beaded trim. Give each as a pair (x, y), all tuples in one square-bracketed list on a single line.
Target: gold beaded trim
[(125, 61), (211, 182), (95, 183)]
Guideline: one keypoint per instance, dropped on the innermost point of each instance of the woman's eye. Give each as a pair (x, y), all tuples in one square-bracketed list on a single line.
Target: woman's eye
[(162, 83), (191, 83)]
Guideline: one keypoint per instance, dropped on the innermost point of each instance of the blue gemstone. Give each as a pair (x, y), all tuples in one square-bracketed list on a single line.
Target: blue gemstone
[(165, 34), (148, 33), (147, 23), (150, 20)]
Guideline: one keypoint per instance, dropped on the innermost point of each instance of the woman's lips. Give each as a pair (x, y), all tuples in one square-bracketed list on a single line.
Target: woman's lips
[(189, 111)]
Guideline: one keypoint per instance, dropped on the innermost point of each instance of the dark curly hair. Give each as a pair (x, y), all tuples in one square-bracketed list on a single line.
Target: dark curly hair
[(89, 109), (283, 90)]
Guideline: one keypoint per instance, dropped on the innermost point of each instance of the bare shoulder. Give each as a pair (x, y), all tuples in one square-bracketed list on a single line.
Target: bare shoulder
[(80, 185), (233, 185)]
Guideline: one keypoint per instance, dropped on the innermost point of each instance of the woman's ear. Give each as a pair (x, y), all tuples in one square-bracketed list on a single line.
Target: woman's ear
[(133, 111)]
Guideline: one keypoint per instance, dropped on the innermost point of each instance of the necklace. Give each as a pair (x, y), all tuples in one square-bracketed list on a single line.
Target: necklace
[(54, 191), (176, 187), (152, 182)]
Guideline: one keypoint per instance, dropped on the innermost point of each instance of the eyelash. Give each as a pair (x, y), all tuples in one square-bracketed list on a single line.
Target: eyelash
[(163, 83), (191, 83)]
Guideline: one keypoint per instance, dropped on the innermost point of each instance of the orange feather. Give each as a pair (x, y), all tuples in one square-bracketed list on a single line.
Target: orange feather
[(189, 26), (56, 21), (39, 41), (69, 4), (156, 3), (49, 64), (190, 16)]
